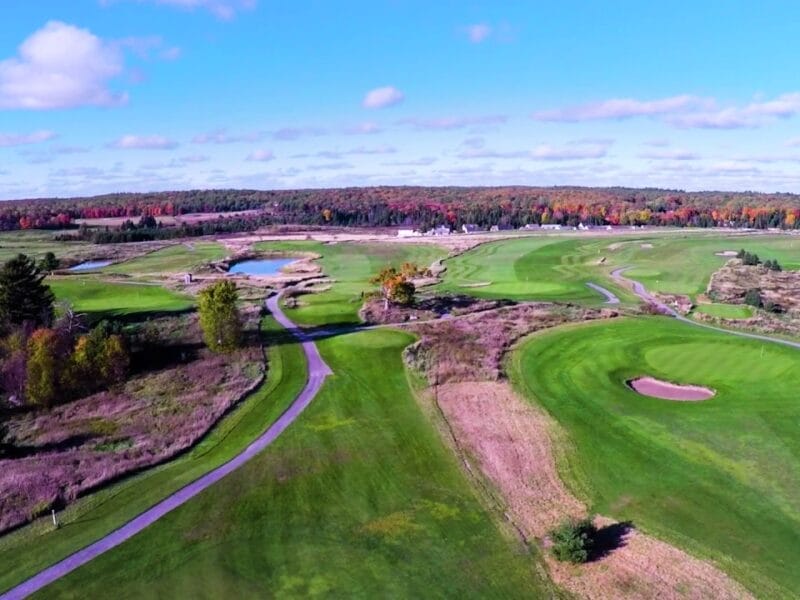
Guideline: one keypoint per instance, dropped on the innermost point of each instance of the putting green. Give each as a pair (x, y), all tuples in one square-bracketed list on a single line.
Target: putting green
[(720, 477)]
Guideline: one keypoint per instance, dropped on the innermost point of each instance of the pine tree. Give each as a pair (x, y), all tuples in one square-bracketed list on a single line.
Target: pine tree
[(23, 295)]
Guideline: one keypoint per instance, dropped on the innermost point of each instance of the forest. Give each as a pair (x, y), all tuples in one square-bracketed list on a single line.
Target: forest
[(419, 207)]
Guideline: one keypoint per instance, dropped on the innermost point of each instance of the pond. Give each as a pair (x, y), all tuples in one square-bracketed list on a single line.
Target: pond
[(90, 264), (260, 266)]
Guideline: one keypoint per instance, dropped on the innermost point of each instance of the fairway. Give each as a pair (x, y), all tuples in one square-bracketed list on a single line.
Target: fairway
[(107, 299), (725, 311), (718, 477), (540, 268), (351, 266), (551, 268), (357, 499), (187, 257)]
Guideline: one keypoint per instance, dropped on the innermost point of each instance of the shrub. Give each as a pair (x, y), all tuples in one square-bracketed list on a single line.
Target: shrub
[(753, 298), (573, 540), (219, 316)]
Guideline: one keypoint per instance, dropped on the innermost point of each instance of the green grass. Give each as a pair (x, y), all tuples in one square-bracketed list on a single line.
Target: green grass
[(719, 477), (187, 257), (33, 548), (106, 299), (531, 268), (34, 243), (554, 268), (358, 498), (725, 311), (683, 263), (351, 265)]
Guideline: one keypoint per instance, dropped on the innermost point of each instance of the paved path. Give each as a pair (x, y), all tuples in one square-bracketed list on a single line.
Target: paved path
[(317, 372), (611, 298), (663, 308)]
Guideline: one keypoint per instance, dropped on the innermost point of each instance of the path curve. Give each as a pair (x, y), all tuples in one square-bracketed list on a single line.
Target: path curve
[(610, 297), (663, 308), (317, 372)]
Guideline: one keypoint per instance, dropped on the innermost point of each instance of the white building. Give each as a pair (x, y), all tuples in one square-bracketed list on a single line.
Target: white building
[(407, 233), (552, 226), (440, 230)]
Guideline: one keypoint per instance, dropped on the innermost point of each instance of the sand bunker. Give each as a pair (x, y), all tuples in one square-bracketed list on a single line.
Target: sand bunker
[(649, 386), (647, 246), (476, 285), (727, 253)]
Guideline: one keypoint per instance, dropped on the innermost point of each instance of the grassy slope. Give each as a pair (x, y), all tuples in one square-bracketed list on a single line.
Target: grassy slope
[(34, 547), (557, 268), (683, 264), (173, 259), (103, 298), (725, 311), (357, 499), (35, 244), (719, 477), (351, 266)]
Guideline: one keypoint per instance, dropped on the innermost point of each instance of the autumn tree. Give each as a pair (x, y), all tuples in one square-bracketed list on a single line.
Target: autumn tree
[(219, 316), (43, 368), (23, 295), (396, 286)]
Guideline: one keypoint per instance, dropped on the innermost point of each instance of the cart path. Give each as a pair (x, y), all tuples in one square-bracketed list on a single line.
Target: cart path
[(610, 297), (663, 308), (317, 372)]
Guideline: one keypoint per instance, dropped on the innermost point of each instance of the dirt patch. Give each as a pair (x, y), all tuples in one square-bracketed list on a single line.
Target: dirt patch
[(656, 388), (426, 308), (511, 443), (471, 347)]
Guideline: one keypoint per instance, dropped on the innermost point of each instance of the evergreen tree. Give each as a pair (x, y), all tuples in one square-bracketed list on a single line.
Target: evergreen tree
[(23, 295), (49, 262), (219, 316)]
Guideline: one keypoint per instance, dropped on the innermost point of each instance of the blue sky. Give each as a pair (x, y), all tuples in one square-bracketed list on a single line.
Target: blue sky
[(138, 95)]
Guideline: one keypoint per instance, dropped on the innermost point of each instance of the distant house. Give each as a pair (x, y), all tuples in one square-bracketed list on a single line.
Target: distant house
[(470, 228), (440, 230), (529, 226), (187, 278), (406, 233), (583, 227), (500, 228), (552, 226)]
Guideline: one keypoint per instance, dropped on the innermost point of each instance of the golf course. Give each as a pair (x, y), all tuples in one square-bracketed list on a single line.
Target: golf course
[(366, 494)]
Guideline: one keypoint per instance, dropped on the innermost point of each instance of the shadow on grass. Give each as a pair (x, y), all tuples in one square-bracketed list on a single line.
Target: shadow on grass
[(610, 538)]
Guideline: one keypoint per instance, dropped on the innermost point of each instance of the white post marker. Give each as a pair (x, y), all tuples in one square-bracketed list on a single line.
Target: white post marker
[(55, 519)]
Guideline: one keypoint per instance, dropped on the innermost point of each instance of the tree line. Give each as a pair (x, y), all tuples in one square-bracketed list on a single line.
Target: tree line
[(421, 207)]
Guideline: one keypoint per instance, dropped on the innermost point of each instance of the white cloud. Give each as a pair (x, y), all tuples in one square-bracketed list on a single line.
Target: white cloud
[(685, 111), (447, 123), (221, 136), (61, 66), (222, 9), (792, 142), (382, 97), (261, 156), (478, 32), (294, 133), (144, 142), (21, 139), (577, 150), (621, 108), (366, 127), (194, 158), (675, 154)]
